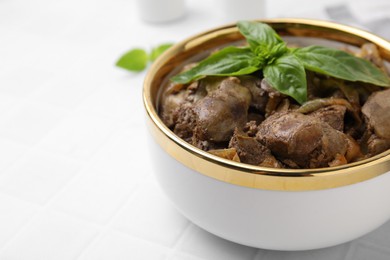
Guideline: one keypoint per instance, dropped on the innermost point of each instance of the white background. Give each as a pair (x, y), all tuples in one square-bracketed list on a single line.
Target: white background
[(75, 176)]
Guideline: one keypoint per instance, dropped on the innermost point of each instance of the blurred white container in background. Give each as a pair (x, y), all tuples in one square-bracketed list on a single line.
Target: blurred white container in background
[(161, 10), (234, 10)]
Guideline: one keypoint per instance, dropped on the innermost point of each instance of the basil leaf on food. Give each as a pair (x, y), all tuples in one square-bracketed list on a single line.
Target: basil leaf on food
[(340, 64), (157, 51), (230, 61), (258, 34), (133, 60), (287, 75), (283, 68)]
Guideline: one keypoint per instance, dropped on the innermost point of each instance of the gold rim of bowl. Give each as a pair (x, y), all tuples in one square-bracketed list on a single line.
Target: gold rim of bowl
[(248, 175)]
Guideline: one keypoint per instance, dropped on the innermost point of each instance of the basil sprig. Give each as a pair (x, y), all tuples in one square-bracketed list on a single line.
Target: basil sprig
[(137, 59), (283, 68)]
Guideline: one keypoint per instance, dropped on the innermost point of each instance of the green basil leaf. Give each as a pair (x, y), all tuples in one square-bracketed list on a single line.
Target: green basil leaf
[(133, 60), (157, 51), (287, 75), (340, 64), (229, 61), (258, 34)]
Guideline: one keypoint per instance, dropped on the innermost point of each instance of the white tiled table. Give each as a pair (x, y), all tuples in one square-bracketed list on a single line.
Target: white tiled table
[(75, 176)]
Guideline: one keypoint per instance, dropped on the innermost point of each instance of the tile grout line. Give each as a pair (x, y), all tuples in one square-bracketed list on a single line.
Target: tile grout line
[(104, 228), (258, 253), (372, 245), (33, 97), (22, 156), (350, 251), (154, 244), (42, 209), (179, 240), (88, 161), (49, 202)]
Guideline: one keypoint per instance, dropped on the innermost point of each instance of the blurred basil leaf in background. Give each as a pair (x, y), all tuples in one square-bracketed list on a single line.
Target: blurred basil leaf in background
[(157, 51), (137, 59)]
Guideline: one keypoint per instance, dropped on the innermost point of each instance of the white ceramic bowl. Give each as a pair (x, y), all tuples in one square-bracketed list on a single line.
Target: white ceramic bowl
[(280, 209)]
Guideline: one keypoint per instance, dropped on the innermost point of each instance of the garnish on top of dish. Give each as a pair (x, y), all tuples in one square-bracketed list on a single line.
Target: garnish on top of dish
[(272, 105)]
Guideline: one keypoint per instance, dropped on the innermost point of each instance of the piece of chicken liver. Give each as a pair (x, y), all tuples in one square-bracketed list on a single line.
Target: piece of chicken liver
[(251, 151), (376, 113), (301, 141), (220, 112), (333, 115)]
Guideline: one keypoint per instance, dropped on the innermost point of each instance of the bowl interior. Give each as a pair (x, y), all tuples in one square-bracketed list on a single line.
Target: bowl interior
[(303, 32)]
